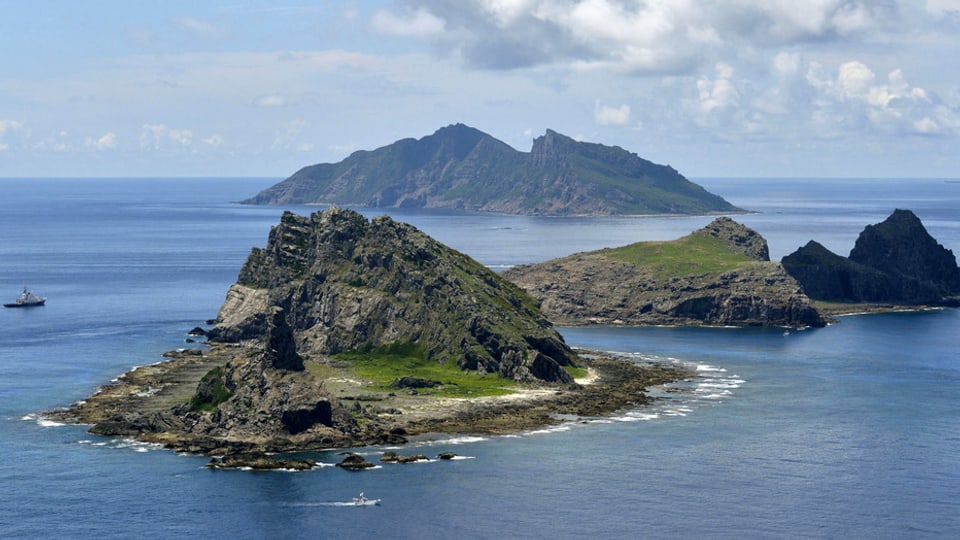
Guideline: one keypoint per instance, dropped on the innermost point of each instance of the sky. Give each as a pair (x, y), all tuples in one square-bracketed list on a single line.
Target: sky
[(736, 88)]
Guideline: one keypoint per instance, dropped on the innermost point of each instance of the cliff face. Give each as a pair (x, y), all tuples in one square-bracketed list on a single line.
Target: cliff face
[(459, 167), (344, 283), (719, 275), (894, 261)]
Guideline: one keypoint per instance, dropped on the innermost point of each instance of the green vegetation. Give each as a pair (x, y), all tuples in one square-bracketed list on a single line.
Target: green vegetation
[(691, 255), (459, 166), (383, 365), (211, 392), (576, 372)]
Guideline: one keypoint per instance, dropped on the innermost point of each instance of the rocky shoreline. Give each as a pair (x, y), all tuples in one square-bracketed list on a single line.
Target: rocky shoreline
[(139, 405)]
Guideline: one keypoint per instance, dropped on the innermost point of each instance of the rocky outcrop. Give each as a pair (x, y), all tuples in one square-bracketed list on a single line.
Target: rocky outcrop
[(330, 283), (260, 462), (355, 462), (896, 261), (661, 283), (343, 283), (336, 282), (462, 168)]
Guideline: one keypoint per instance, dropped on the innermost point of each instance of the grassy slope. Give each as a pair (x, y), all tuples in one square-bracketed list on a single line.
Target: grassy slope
[(694, 254)]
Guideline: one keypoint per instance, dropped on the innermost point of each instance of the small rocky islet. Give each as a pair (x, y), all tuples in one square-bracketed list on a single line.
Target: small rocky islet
[(283, 367)]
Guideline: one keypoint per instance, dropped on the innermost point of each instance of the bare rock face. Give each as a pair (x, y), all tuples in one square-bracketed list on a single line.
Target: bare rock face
[(600, 288), (738, 238), (894, 261), (338, 282)]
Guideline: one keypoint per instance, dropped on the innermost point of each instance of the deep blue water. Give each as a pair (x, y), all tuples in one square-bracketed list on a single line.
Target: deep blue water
[(851, 430)]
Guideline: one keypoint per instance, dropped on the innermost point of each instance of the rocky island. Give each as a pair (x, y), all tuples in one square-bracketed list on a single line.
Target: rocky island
[(344, 332), (459, 167), (893, 263), (720, 275)]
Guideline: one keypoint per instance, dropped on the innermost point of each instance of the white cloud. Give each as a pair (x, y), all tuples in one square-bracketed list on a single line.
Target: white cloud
[(720, 92), (288, 138), (636, 36), (270, 100), (857, 99), (786, 64), (160, 136), (417, 23), (855, 80), (9, 130), (200, 27), (606, 115), (926, 126), (9, 125), (943, 6), (213, 140), (105, 142)]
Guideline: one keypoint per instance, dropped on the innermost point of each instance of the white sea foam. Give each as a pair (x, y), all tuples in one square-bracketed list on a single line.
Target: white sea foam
[(637, 416), (41, 420), (454, 440), (708, 367), (552, 429)]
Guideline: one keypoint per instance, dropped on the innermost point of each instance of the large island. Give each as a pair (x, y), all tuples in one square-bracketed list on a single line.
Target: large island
[(344, 332), (459, 167)]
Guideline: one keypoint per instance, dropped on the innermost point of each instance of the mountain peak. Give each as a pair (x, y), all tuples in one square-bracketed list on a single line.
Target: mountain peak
[(460, 167), (345, 283)]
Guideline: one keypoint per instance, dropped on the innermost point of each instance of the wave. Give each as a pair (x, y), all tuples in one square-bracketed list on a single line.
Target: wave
[(552, 429), (123, 444), (41, 420), (461, 439)]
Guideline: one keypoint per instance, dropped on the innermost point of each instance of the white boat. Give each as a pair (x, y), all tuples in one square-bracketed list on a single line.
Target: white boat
[(27, 299), (363, 501)]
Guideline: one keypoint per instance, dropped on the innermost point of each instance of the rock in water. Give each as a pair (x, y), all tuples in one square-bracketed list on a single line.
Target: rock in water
[(894, 261)]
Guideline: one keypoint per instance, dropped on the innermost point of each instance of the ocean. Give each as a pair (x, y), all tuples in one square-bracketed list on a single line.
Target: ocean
[(846, 431)]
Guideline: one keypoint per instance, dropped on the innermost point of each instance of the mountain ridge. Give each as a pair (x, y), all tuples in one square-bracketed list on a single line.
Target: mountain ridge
[(460, 167)]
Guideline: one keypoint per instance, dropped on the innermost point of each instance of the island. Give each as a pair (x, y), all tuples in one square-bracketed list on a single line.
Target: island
[(459, 167), (345, 332), (893, 264), (720, 275)]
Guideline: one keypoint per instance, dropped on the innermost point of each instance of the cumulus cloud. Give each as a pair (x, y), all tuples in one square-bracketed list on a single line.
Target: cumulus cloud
[(637, 36), (160, 136), (270, 100), (419, 22), (719, 92), (213, 140), (107, 141), (607, 115), (9, 130), (856, 96)]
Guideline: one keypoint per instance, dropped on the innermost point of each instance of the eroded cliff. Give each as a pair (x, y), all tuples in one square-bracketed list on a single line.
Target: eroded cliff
[(719, 275)]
